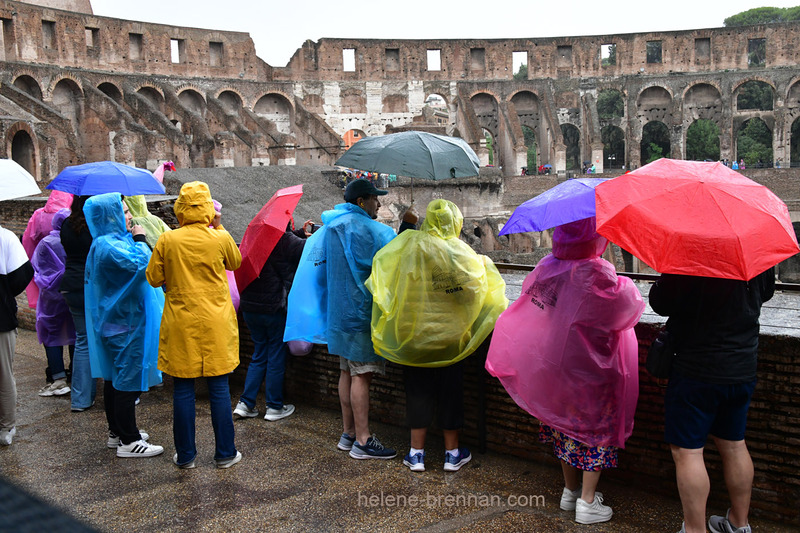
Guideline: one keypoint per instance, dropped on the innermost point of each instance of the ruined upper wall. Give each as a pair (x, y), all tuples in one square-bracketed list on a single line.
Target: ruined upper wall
[(688, 51), (32, 34), (80, 6)]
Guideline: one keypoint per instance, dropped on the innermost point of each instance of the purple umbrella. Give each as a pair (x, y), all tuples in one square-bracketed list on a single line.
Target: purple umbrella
[(568, 201)]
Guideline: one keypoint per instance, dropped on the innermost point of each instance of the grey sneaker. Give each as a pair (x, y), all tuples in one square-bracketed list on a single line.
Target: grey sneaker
[(346, 442), (373, 449), (7, 435), (276, 414), (139, 448), (718, 524), (227, 463), (57, 388), (242, 411), (113, 439), (570, 497), (592, 513), (186, 466)]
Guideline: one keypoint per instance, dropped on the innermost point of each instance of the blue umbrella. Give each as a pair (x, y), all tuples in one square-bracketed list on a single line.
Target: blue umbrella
[(568, 201), (106, 176)]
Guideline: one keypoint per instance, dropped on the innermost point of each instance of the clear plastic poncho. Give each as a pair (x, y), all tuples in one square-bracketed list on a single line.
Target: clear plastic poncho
[(153, 226), (328, 302), (434, 299), (39, 226), (123, 312), (565, 350), (54, 325)]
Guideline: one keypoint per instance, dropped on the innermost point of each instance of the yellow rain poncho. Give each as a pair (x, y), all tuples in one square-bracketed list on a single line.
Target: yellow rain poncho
[(199, 331), (153, 226), (434, 299)]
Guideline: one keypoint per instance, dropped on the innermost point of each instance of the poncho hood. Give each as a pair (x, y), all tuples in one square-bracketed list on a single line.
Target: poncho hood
[(578, 240), (104, 215), (57, 200), (443, 219), (59, 218), (137, 205), (194, 204)]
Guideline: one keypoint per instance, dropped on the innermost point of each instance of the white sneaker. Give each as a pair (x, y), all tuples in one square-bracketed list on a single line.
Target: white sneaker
[(569, 497), (113, 439), (227, 463), (57, 388), (7, 435), (139, 448), (242, 411), (592, 513), (277, 414)]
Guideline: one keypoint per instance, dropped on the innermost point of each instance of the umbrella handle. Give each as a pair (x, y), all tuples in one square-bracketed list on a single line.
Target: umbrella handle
[(412, 191)]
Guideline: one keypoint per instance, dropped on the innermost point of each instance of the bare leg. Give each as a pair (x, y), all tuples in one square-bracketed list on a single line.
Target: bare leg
[(348, 424), (359, 399), (590, 480), (738, 469), (693, 486), (418, 438), (572, 476), (450, 439)]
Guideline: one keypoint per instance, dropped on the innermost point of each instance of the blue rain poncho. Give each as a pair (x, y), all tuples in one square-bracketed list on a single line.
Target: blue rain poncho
[(435, 299), (328, 302), (123, 312)]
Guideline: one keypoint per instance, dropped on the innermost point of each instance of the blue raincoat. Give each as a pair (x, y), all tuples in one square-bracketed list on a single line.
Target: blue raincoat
[(123, 312), (328, 302)]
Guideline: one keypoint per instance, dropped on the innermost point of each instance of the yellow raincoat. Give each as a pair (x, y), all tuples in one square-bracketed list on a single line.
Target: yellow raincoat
[(153, 226), (434, 300), (199, 332)]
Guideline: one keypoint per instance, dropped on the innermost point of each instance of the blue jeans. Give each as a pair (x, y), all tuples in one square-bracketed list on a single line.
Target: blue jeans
[(268, 364), (183, 424), (55, 360), (84, 387)]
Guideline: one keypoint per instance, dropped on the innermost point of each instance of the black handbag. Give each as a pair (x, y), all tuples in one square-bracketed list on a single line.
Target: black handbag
[(660, 355)]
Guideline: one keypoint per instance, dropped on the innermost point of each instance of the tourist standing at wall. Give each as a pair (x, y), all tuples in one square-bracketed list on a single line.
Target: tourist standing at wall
[(432, 320), (199, 331), (715, 327), (122, 317), (77, 241), (566, 352), (263, 305), (15, 274), (330, 304), (54, 327)]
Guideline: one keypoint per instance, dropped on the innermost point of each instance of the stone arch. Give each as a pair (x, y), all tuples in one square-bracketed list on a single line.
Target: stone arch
[(67, 97), (527, 105), (231, 100), (794, 143), (28, 85), (753, 142), (613, 138), (351, 137), (153, 95), (572, 142), (278, 109), (64, 79), (193, 100), (655, 133), (654, 103), (21, 145), (488, 148), (792, 99), (754, 94), (703, 101), (111, 90), (439, 94), (485, 107)]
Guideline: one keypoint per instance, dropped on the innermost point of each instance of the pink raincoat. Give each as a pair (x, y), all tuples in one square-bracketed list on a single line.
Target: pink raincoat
[(39, 226), (565, 351)]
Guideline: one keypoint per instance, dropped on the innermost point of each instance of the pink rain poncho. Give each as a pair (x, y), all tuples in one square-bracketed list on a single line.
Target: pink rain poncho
[(54, 325), (39, 226), (565, 351), (232, 288)]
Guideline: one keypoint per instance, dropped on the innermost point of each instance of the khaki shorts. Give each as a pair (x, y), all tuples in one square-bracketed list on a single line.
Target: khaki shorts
[(355, 368)]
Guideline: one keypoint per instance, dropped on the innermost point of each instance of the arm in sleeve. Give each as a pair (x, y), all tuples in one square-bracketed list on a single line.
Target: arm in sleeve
[(231, 253), (666, 294), (155, 268), (19, 278)]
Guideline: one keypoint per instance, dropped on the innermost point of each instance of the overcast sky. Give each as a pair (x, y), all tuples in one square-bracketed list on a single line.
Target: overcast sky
[(279, 27)]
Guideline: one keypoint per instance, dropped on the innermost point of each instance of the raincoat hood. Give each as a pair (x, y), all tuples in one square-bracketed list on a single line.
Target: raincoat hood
[(137, 205), (194, 204), (578, 240), (58, 200), (104, 215), (59, 218), (443, 219), (153, 226)]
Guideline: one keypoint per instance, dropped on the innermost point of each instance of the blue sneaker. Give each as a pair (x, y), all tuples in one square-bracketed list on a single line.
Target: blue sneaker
[(452, 463), (345, 442), (373, 449), (415, 462)]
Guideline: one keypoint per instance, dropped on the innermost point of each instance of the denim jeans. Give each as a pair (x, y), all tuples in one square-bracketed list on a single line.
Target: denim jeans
[(55, 360), (269, 359), (183, 423), (84, 387)]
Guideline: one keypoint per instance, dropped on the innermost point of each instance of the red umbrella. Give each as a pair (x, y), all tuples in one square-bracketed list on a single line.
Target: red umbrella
[(696, 218), (264, 232)]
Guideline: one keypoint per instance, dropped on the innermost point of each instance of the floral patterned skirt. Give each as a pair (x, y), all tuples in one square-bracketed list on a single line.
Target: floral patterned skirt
[(578, 454)]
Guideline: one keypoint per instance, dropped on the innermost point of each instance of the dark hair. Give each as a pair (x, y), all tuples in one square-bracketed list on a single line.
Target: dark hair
[(77, 218)]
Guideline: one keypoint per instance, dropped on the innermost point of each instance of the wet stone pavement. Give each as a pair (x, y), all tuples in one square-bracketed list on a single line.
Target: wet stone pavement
[(292, 477)]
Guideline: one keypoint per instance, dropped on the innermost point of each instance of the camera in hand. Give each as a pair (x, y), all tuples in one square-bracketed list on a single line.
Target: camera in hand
[(315, 227)]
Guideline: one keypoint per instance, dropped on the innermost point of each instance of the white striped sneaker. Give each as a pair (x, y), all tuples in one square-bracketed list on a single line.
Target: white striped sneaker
[(113, 439), (139, 448)]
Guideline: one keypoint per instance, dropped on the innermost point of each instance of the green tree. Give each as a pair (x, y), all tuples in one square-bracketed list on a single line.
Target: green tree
[(489, 146), (572, 138), (612, 56), (613, 146), (530, 142), (754, 142), (610, 104), (653, 152), (522, 73), (755, 95), (763, 15), (702, 140), (655, 141)]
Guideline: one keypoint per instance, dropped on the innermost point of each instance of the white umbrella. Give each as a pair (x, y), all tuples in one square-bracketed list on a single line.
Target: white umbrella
[(15, 181)]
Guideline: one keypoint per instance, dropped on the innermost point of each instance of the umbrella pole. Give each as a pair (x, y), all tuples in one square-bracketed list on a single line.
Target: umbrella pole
[(412, 191)]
